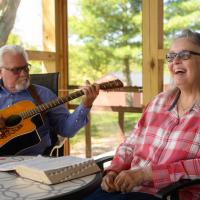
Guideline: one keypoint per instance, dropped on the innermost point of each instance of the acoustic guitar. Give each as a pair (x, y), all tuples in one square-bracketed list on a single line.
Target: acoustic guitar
[(23, 118)]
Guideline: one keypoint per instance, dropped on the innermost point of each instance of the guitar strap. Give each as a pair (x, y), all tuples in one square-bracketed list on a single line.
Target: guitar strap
[(53, 135), (34, 94)]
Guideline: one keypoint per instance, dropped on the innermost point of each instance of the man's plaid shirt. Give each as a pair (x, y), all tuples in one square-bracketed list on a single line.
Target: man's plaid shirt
[(168, 143)]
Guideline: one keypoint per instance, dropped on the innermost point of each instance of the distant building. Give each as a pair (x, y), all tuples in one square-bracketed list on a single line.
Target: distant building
[(119, 98)]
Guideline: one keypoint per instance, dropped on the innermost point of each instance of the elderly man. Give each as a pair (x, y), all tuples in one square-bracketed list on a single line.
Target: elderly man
[(15, 87)]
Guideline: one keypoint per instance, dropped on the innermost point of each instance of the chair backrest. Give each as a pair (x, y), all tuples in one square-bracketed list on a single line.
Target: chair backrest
[(49, 80)]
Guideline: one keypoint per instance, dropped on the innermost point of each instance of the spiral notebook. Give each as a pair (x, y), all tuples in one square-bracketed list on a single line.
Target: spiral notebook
[(53, 170)]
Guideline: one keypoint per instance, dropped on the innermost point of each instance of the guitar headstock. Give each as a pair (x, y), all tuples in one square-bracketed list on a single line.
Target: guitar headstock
[(111, 85)]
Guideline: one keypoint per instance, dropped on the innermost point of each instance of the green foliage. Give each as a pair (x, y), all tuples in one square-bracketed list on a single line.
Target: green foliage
[(15, 39), (107, 32), (35, 67), (106, 124), (180, 14)]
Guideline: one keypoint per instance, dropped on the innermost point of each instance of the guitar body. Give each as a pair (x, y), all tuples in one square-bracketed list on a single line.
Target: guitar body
[(23, 118), (21, 133)]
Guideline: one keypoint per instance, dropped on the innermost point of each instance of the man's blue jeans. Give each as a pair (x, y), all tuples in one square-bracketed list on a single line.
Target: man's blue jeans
[(99, 194)]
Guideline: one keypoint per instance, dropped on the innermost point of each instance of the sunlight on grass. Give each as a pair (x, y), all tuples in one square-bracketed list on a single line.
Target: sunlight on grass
[(104, 124)]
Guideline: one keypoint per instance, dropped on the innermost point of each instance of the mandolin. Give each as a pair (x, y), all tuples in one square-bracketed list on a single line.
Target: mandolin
[(23, 118)]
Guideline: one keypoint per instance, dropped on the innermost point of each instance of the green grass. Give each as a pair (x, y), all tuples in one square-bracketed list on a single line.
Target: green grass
[(105, 124)]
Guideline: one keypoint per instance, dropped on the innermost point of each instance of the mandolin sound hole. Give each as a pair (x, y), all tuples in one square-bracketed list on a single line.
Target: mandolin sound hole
[(13, 120)]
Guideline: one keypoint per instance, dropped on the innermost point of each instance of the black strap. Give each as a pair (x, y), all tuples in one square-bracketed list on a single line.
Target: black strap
[(53, 135), (34, 94)]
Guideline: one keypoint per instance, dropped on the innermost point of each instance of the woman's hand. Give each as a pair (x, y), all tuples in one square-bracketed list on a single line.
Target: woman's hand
[(108, 182), (90, 92), (128, 179)]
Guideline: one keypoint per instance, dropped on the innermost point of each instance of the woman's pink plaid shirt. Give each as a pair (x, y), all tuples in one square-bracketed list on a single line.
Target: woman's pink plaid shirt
[(168, 143)]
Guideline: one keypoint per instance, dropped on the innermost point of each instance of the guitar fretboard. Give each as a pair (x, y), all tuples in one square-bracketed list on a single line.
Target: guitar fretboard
[(61, 100)]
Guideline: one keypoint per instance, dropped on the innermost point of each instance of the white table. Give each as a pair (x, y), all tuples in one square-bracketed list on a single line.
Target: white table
[(13, 187)]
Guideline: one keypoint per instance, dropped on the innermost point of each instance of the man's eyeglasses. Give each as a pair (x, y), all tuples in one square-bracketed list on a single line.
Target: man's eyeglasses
[(18, 70), (183, 55)]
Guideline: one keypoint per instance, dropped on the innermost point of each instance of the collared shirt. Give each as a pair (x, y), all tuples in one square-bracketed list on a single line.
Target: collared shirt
[(57, 118), (168, 143)]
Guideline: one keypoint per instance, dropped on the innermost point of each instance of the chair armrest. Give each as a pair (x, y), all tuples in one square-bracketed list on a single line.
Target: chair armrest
[(101, 161), (173, 188), (59, 146)]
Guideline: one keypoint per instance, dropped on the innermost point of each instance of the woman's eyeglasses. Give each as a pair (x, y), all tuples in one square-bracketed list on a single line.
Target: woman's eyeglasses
[(18, 70), (183, 55)]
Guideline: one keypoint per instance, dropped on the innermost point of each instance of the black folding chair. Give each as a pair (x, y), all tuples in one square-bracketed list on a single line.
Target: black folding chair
[(50, 80), (170, 192)]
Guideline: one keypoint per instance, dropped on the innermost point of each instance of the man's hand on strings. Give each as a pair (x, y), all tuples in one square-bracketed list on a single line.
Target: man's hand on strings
[(90, 94)]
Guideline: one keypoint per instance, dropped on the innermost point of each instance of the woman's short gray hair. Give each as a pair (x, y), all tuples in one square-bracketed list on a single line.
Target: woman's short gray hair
[(12, 49), (191, 35)]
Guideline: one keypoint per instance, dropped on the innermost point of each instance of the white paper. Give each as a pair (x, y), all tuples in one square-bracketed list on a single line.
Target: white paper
[(46, 163), (43, 163), (10, 166)]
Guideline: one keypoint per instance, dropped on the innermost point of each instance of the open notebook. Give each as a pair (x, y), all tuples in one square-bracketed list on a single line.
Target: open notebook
[(50, 170)]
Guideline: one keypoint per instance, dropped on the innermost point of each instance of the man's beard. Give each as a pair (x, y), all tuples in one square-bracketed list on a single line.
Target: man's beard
[(22, 84)]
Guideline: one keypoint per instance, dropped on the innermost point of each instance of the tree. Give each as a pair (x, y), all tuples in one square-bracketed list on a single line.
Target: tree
[(7, 18), (110, 36), (180, 14), (109, 33)]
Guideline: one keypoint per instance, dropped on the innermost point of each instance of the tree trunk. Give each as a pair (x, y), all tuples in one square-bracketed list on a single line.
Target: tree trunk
[(129, 99), (8, 10)]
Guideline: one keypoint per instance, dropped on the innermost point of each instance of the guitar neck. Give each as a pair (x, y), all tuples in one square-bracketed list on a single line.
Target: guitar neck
[(51, 104), (61, 100)]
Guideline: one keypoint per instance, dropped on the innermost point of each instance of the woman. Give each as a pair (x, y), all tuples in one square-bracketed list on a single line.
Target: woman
[(164, 146)]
